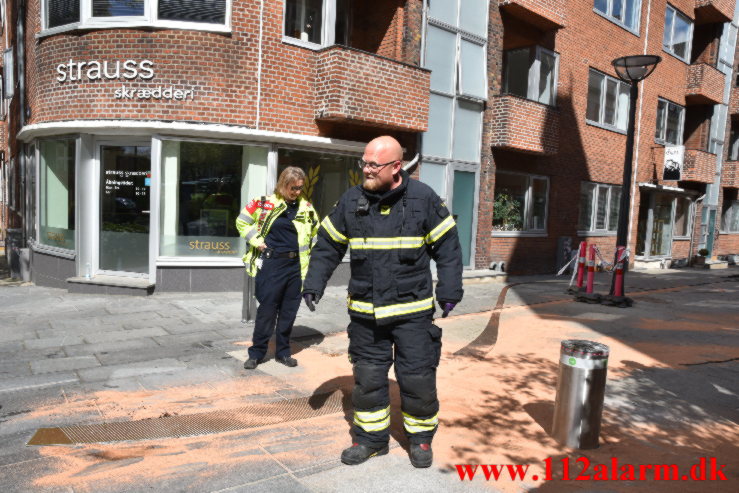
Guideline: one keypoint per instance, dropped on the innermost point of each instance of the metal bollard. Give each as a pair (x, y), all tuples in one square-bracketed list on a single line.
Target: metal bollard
[(249, 302), (581, 388)]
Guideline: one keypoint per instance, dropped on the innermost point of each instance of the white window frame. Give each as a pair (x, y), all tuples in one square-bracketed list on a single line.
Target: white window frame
[(528, 208), (535, 73), (689, 47), (681, 128), (593, 229), (690, 212), (328, 27), (603, 93), (149, 19), (609, 15), (734, 207)]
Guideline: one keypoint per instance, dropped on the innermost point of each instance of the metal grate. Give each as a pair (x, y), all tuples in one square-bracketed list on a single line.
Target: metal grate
[(194, 424)]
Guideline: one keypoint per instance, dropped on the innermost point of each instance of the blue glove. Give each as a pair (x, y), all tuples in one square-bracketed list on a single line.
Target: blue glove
[(310, 299), (446, 307)]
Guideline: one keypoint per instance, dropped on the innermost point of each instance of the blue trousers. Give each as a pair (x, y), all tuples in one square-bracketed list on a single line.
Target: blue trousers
[(278, 287)]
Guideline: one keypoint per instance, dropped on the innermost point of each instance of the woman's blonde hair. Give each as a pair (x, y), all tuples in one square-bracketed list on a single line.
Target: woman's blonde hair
[(289, 175)]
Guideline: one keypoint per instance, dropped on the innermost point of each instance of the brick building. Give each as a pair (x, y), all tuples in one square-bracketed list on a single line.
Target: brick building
[(136, 130)]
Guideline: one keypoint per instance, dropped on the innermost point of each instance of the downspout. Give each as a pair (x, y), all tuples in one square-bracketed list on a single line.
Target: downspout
[(259, 65), (635, 174)]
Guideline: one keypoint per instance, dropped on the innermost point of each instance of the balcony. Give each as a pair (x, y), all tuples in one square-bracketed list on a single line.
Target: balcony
[(544, 14), (705, 85), (698, 166), (525, 126), (734, 101), (730, 174), (354, 86), (709, 11)]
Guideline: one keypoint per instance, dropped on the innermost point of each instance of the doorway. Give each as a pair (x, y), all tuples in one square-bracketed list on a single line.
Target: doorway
[(654, 230)]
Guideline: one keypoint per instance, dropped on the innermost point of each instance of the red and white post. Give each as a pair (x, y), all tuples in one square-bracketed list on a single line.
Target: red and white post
[(591, 270), (618, 286), (581, 264)]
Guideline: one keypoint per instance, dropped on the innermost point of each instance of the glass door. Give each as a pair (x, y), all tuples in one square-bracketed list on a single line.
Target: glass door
[(125, 178)]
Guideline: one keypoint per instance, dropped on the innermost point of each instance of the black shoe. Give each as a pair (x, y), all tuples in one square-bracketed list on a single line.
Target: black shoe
[(251, 363), (357, 453), (421, 454), (287, 361)]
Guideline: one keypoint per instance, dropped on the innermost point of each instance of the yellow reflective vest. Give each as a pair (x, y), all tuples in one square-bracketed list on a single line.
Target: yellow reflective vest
[(255, 221)]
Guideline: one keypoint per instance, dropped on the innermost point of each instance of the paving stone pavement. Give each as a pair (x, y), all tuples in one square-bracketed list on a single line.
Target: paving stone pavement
[(62, 351)]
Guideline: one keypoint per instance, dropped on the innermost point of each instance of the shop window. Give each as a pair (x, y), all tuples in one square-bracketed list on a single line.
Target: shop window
[(730, 212), (204, 186), (625, 13), (97, 14), (318, 22), (608, 101), (599, 206), (532, 73), (520, 203), (56, 211), (328, 176), (678, 34), (670, 121), (683, 217)]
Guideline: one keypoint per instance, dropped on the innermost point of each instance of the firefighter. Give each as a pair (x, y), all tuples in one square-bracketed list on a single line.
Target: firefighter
[(279, 231), (393, 226)]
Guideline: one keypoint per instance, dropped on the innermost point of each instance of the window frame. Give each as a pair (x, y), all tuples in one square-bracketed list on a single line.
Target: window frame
[(593, 230), (689, 218), (534, 73), (328, 35), (603, 94), (608, 16), (681, 127), (528, 207), (734, 207), (689, 46), (149, 19)]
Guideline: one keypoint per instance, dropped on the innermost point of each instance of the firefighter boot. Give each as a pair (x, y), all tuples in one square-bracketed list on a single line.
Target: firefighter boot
[(421, 454), (357, 453)]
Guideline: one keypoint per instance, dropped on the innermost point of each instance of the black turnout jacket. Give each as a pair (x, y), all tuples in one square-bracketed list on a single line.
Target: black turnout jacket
[(391, 236)]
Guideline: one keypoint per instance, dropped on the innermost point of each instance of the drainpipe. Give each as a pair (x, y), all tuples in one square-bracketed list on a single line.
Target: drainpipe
[(259, 65)]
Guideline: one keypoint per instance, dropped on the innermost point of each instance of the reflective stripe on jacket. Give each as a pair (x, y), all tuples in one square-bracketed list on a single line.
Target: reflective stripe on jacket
[(256, 219), (391, 244)]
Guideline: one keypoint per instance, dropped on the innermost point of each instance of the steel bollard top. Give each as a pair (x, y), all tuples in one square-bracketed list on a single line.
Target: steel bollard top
[(581, 349)]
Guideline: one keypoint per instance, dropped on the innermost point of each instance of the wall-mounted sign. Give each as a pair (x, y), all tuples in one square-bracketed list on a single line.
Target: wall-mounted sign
[(126, 70), (673, 165)]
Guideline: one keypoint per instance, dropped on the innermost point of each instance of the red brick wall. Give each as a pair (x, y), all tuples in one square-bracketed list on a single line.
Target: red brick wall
[(525, 125)]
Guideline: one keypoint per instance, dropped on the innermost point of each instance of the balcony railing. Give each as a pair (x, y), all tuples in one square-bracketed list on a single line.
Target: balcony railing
[(705, 84), (544, 14), (730, 174), (525, 126), (709, 11), (354, 86)]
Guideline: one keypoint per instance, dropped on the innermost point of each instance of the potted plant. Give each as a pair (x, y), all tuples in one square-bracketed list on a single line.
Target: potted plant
[(701, 258)]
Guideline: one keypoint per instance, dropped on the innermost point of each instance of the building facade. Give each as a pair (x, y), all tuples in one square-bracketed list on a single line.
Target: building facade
[(134, 131)]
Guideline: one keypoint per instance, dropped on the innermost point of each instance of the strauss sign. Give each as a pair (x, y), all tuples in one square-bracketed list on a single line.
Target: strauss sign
[(128, 70)]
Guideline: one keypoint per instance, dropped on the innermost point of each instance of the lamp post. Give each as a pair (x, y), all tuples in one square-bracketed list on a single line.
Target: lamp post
[(631, 69)]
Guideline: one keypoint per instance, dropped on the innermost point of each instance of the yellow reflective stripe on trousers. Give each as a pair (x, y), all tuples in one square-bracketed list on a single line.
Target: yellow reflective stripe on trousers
[(440, 229), (391, 310), (386, 243), (374, 420), (333, 232), (416, 425)]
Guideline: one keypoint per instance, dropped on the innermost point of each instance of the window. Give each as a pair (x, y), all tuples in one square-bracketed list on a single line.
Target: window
[(599, 206), (318, 22), (204, 186), (608, 101), (56, 211), (532, 73), (164, 13), (327, 175), (623, 12), (520, 203), (683, 217), (730, 213), (8, 74), (678, 34), (734, 141), (670, 119)]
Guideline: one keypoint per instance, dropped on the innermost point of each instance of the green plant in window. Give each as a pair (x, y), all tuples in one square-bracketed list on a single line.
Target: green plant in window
[(507, 213)]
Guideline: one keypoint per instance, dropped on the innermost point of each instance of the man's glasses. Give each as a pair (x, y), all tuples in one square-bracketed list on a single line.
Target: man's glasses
[(297, 189), (373, 166)]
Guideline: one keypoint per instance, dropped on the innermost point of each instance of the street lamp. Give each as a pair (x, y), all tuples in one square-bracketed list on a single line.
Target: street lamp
[(631, 69)]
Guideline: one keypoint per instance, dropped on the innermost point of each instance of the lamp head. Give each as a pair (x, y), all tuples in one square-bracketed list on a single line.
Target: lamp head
[(635, 67)]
